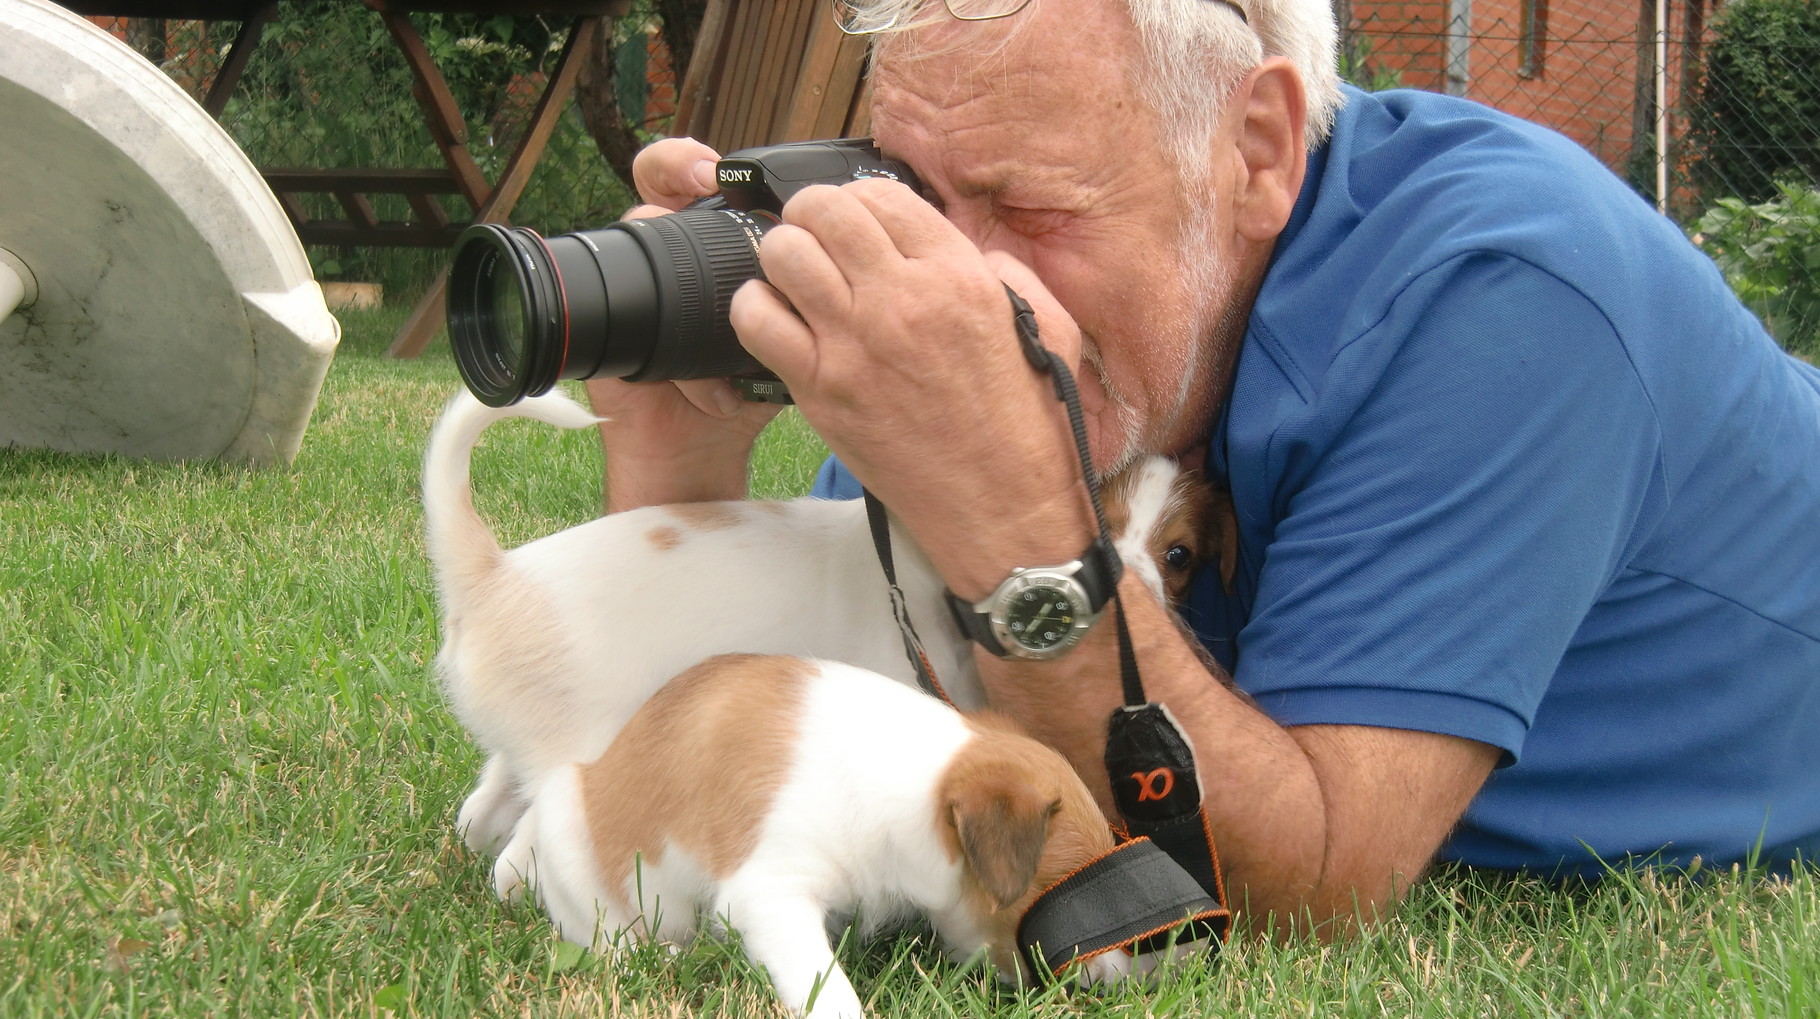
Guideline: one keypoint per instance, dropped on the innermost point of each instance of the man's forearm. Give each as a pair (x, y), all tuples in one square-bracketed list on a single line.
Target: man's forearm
[(660, 450), (634, 480)]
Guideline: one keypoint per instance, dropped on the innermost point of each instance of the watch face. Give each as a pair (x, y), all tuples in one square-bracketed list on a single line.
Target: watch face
[(1038, 613), (1040, 617)]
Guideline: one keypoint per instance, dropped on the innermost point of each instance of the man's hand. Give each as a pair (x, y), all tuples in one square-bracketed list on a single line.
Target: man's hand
[(686, 441), (895, 336)]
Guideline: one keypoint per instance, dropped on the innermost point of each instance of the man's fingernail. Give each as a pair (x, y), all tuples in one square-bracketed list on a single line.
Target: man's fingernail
[(704, 175), (726, 402)]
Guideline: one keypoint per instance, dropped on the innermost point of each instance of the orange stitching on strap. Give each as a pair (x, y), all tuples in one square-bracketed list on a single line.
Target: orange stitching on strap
[(1219, 872), (929, 670), (1063, 879)]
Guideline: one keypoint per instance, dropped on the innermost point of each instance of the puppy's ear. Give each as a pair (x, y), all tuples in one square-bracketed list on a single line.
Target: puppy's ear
[(1223, 533), (1002, 827), (1216, 522)]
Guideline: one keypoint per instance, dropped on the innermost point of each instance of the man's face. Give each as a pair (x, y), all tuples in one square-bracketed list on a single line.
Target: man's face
[(1041, 149)]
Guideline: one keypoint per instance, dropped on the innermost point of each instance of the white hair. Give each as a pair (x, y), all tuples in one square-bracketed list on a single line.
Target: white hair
[(1194, 53)]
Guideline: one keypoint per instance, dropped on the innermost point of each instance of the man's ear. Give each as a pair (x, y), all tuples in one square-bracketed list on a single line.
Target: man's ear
[(1270, 107)]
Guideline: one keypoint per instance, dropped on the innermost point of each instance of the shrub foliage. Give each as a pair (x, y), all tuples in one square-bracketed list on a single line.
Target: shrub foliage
[(1770, 253), (1755, 117)]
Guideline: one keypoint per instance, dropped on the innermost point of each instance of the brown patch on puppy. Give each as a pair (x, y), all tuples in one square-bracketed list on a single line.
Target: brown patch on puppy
[(1115, 504), (664, 538), (1226, 518), (706, 516), (1200, 528), (1001, 832), (1019, 820), (643, 797)]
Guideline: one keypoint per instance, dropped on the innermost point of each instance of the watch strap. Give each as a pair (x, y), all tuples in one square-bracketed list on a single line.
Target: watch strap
[(975, 625), (1101, 569)]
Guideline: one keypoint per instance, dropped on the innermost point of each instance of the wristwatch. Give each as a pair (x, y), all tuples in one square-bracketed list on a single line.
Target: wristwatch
[(1042, 612)]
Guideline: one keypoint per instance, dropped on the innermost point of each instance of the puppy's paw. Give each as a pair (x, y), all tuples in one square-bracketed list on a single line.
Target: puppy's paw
[(514, 871), (1106, 968), (491, 812), (835, 999), (484, 833)]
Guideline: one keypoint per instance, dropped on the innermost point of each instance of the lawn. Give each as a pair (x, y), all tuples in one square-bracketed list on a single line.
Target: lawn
[(232, 780)]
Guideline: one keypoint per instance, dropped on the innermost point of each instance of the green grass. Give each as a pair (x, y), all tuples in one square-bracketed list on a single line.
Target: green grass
[(231, 780)]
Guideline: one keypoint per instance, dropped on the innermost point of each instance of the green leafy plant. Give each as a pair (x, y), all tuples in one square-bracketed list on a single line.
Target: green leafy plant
[(1356, 66), (1755, 116), (1770, 253)]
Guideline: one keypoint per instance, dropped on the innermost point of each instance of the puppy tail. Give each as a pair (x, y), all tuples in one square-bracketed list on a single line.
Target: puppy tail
[(461, 546)]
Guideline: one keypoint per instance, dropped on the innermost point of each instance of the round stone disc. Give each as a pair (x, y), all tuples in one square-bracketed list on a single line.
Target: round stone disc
[(176, 315)]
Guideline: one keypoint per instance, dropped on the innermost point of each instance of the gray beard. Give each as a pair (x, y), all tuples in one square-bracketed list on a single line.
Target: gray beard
[(1127, 419), (1213, 327)]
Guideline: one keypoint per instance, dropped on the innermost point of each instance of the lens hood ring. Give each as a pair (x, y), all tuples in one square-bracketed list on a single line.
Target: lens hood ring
[(476, 329)]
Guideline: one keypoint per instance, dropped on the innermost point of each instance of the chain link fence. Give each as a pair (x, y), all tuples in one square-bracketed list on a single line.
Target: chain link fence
[(1710, 110)]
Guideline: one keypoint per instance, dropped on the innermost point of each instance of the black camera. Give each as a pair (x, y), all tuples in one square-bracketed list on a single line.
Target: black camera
[(642, 300)]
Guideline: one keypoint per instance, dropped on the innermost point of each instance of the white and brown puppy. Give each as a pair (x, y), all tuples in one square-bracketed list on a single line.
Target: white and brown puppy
[(772, 793), (549, 649)]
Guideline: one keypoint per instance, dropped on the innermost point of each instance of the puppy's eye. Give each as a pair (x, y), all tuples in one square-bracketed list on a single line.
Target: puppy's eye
[(1178, 557)]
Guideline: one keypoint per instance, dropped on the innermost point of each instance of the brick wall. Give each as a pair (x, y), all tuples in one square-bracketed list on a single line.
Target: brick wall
[(1573, 65)]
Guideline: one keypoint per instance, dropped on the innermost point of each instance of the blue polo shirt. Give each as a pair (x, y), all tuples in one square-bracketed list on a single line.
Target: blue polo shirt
[(1511, 463)]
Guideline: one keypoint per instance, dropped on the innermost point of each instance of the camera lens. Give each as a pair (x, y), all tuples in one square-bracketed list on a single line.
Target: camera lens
[(642, 300)]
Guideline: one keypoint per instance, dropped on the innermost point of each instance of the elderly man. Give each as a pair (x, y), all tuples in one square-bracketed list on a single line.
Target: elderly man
[(1528, 502)]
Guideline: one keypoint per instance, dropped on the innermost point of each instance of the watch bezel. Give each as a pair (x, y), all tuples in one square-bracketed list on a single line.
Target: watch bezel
[(1060, 579)]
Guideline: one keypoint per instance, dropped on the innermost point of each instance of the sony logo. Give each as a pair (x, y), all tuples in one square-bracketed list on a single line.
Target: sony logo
[(733, 176)]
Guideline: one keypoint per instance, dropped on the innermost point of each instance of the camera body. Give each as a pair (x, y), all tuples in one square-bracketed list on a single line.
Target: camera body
[(764, 178), (642, 300)]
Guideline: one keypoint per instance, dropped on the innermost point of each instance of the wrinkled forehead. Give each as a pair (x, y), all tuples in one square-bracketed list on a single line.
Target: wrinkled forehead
[(1021, 76), (1038, 42)]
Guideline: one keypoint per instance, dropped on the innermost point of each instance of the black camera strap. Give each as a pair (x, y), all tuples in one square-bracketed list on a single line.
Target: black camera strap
[(880, 523), (1163, 883)]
